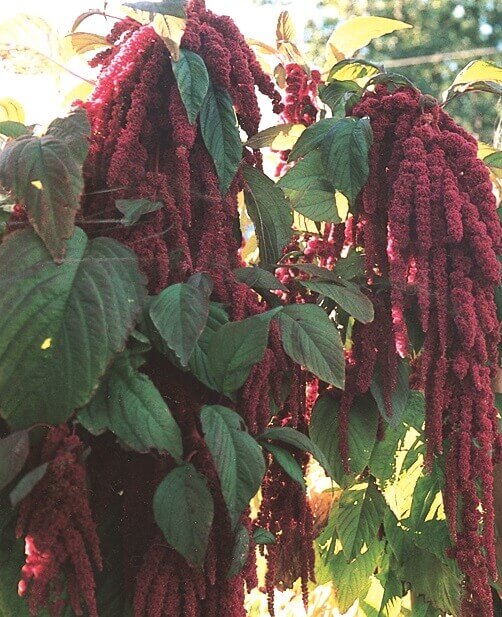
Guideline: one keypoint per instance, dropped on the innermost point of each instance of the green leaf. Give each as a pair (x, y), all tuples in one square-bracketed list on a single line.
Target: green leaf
[(352, 580), (350, 299), (324, 432), (351, 69), (383, 458), (262, 536), (27, 483), (289, 435), (345, 152), (128, 404), (259, 279), (351, 266), (399, 396), (311, 138), (218, 125), (431, 578), (193, 81), (13, 129), (44, 176), (199, 363), (237, 456), (339, 92), (184, 510), (270, 212), (308, 189), (279, 137), (165, 7), (14, 450), (74, 130), (61, 325), (235, 348), (311, 339), (421, 608), (287, 461), (360, 514), (180, 315), (134, 209), (240, 551)]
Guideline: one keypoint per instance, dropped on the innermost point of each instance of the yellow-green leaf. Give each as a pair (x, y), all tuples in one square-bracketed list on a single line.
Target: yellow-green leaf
[(171, 30), (78, 43), (478, 70), (285, 30), (12, 110), (280, 137), (357, 32)]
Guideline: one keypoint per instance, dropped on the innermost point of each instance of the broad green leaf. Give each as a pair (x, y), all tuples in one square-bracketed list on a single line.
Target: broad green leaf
[(44, 176), (240, 551), (13, 129), (184, 510), (350, 299), (308, 190), (27, 483), (400, 395), (262, 536), (324, 432), (199, 363), (280, 137), (351, 266), (292, 437), (74, 130), (311, 138), (61, 325), (14, 450), (431, 578), (270, 212), (494, 162), (352, 580), (384, 456), (193, 81), (128, 404), (360, 514), (165, 7), (180, 315), (345, 152), (235, 348), (384, 598), (340, 92), (357, 32), (421, 608), (259, 279), (237, 456), (311, 339), (134, 209), (220, 132), (287, 461)]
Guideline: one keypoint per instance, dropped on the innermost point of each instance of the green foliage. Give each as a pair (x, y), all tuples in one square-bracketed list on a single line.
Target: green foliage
[(13, 129), (237, 456), (219, 129), (311, 339), (345, 154), (55, 317), (45, 175), (27, 483), (134, 209), (258, 279), (128, 404), (347, 296), (240, 552), (14, 450), (183, 508), (180, 314), (193, 81), (287, 461), (235, 348), (270, 213), (324, 432), (399, 395)]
